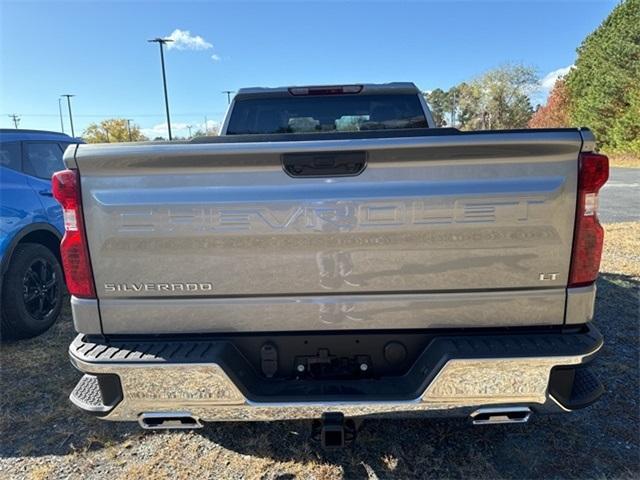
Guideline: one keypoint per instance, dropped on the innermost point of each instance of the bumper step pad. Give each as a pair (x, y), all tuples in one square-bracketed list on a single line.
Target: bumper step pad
[(91, 392), (87, 395), (575, 388), (587, 388)]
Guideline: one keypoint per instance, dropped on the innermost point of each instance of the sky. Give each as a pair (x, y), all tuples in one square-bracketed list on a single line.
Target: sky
[(98, 51)]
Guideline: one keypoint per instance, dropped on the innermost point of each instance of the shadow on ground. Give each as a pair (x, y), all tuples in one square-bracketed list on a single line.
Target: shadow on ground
[(601, 441)]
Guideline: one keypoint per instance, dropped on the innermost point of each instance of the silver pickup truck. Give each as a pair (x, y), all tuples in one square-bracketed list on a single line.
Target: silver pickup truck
[(332, 256)]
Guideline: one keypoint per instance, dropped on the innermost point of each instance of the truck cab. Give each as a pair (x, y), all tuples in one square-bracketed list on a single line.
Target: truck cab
[(332, 108)]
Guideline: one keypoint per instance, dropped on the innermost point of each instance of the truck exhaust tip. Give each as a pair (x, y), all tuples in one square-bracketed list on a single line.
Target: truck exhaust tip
[(492, 416), (168, 420)]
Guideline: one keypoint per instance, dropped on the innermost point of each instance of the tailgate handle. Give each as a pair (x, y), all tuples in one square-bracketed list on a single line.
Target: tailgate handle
[(324, 164)]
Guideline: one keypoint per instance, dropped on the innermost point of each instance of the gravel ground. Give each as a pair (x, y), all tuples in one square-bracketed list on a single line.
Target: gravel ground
[(43, 436)]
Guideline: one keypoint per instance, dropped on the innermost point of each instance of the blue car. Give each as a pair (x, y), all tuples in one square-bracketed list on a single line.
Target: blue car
[(31, 227)]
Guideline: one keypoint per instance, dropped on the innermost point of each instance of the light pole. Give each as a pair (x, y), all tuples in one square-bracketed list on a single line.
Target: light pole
[(129, 128), (189, 127), (60, 112), (228, 92), (161, 42), (73, 133)]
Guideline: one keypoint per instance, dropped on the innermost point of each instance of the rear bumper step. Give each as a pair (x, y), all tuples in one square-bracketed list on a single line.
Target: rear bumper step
[(157, 381)]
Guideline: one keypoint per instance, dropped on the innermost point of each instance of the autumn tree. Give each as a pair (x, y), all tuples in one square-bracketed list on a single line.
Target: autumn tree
[(555, 113), (604, 86), (113, 130)]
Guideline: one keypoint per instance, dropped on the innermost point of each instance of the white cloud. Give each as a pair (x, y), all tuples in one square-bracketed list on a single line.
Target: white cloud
[(550, 78), (215, 57), (183, 40), (210, 126), (160, 130), (179, 129), (540, 91)]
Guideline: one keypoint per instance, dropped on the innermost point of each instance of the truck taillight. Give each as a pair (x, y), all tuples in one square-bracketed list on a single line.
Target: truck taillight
[(326, 90), (588, 236), (73, 249)]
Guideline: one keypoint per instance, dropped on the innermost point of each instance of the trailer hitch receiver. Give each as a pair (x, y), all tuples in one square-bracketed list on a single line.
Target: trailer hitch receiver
[(333, 430)]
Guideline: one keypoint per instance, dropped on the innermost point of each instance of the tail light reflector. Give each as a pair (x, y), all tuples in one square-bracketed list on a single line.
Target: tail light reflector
[(588, 236), (73, 249)]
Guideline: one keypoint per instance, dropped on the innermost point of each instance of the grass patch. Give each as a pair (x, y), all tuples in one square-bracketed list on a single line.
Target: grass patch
[(623, 160)]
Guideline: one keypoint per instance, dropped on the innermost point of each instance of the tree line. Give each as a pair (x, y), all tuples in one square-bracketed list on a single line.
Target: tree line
[(601, 91)]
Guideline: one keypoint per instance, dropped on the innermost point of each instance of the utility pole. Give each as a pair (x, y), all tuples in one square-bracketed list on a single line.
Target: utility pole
[(206, 125), (228, 92), (73, 133), (161, 42), (16, 119), (453, 110), (189, 127), (60, 112), (129, 128)]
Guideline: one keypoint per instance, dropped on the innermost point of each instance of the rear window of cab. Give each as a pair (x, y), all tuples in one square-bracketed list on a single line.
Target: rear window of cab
[(330, 113)]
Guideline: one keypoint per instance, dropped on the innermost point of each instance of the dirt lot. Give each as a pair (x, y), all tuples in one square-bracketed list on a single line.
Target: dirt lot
[(43, 436)]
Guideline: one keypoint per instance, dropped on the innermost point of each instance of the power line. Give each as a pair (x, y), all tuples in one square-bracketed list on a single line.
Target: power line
[(16, 119)]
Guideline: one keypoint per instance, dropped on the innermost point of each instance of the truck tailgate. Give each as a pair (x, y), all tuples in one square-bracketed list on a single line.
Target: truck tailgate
[(437, 231)]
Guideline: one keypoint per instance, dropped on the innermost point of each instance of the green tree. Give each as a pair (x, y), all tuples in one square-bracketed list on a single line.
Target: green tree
[(438, 102), (444, 106), (113, 130), (624, 135), (604, 86), (469, 99), (499, 98)]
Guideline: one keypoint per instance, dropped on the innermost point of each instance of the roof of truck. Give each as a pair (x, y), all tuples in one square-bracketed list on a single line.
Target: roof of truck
[(367, 88)]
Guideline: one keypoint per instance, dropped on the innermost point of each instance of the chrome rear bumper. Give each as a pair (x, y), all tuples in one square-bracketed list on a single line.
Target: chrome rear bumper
[(194, 383)]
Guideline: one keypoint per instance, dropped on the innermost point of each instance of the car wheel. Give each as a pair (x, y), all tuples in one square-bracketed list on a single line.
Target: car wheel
[(31, 292)]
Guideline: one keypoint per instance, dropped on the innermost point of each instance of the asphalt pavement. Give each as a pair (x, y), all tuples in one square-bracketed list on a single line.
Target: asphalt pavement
[(620, 197)]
